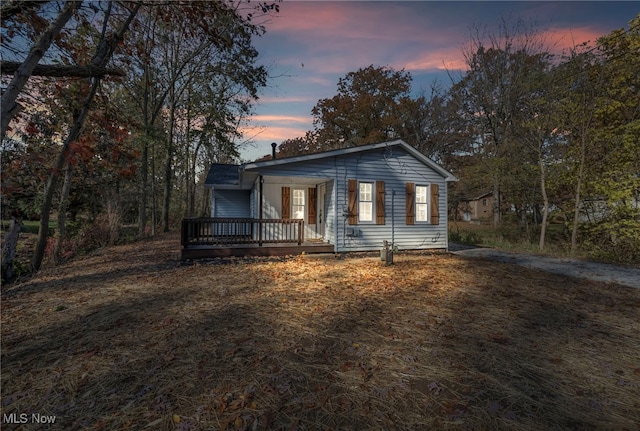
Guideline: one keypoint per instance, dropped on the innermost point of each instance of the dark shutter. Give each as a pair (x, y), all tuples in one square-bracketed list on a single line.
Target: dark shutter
[(379, 202), (352, 198), (286, 202), (435, 198), (311, 212), (411, 203)]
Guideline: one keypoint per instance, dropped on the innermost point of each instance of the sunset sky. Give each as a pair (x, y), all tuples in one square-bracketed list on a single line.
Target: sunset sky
[(309, 45)]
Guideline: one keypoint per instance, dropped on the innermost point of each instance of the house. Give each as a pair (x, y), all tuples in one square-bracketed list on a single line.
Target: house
[(477, 208), (349, 199)]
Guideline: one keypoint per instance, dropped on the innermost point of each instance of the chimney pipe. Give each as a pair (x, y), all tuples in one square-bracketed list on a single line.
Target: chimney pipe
[(273, 150)]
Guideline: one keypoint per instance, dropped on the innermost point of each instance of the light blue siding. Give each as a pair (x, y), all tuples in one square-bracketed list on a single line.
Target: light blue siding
[(395, 167), (232, 203)]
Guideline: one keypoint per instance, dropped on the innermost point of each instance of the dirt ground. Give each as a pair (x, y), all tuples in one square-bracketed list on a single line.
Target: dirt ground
[(131, 338)]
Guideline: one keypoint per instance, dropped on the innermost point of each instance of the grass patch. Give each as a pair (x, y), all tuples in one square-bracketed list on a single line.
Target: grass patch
[(512, 237), (31, 226), (131, 339)]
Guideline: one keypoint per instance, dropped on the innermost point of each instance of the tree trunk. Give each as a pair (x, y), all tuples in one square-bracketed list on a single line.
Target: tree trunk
[(545, 204), (61, 70), (62, 214), (496, 202), (8, 104), (194, 161), (154, 213), (168, 163), (578, 197), (9, 249), (142, 204)]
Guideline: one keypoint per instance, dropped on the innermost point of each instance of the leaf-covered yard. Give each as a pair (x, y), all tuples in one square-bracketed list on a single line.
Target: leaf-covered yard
[(131, 339)]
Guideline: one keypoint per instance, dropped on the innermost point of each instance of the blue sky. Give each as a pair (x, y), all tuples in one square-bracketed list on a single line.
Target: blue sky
[(309, 45)]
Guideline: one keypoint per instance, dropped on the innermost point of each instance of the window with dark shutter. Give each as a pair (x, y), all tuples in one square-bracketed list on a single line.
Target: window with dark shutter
[(379, 202), (286, 202), (352, 198), (435, 197), (311, 212), (410, 203)]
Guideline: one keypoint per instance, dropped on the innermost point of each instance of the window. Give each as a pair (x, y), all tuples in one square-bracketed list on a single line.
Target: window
[(484, 202), (297, 204), (421, 203), (365, 202)]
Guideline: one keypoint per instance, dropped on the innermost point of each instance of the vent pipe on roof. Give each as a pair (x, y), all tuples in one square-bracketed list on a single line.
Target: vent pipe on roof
[(273, 150)]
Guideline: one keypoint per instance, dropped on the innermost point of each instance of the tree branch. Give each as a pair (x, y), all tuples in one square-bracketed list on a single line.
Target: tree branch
[(59, 71)]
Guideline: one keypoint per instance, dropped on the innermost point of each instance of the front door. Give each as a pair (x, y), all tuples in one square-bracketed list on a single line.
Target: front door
[(322, 190)]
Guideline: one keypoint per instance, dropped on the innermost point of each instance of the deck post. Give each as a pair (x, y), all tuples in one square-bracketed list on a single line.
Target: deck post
[(184, 237)]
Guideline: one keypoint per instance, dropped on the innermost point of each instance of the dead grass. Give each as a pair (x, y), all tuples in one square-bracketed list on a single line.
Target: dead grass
[(132, 339)]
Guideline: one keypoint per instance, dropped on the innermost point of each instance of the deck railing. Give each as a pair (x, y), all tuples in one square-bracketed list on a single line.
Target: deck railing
[(230, 231)]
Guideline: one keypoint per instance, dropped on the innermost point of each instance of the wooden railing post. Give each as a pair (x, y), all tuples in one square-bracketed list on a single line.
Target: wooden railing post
[(184, 235)]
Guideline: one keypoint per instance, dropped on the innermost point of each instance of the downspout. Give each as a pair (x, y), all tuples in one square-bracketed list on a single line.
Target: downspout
[(260, 212), (335, 205), (393, 220)]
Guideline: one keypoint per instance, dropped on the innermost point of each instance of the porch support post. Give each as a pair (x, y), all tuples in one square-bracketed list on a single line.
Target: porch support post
[(260, 213)]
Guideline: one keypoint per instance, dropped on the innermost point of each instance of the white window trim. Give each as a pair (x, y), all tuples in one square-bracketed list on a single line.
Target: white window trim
[(304, 203), (372, 201), (426, 203)]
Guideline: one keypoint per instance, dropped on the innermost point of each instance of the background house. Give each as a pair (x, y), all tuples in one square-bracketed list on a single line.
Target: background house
[(478, 208)]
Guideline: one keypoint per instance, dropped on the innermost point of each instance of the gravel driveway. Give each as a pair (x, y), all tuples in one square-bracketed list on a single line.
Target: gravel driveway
[(602, 272)]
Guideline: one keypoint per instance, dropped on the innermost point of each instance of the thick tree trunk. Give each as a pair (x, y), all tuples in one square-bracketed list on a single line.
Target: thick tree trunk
[(61, 233), (9, 249), (8, 106)]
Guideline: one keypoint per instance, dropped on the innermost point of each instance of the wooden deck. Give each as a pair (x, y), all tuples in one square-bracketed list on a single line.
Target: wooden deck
[(207, 251), (216, 237)]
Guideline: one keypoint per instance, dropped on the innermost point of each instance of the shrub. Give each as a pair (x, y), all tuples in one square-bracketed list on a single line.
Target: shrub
[(467, 238), (615, 238)]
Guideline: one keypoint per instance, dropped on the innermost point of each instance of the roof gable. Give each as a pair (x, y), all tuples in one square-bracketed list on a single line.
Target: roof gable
[(353, 150), (231, 175)]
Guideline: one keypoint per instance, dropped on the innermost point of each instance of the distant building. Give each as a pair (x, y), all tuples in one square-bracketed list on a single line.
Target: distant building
[(479, 208)]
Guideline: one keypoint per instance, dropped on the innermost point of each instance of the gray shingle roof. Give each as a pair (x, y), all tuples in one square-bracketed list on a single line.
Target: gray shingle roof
[(220, 174)]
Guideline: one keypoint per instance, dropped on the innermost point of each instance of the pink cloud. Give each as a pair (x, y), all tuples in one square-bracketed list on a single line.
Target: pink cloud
[(284, 99), (275, 134), (564, 38), (337, 37), (282, 118), (435, 60)]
